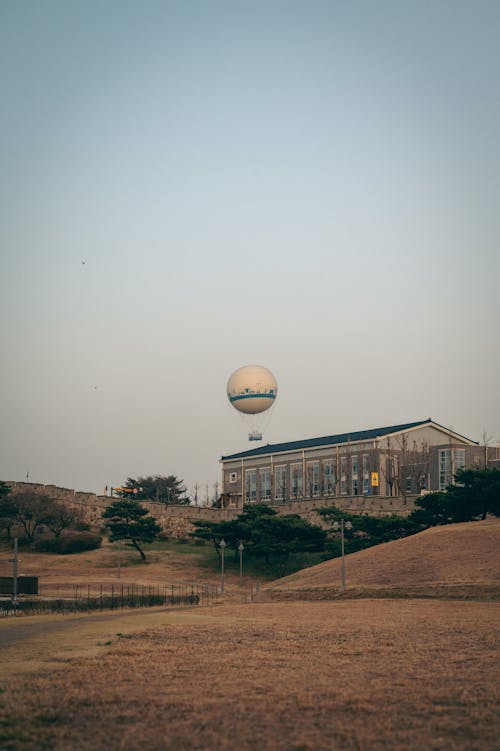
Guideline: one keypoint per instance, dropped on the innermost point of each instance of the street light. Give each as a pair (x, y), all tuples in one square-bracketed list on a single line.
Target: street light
[(241, 548), (222, 546), (336, 526)]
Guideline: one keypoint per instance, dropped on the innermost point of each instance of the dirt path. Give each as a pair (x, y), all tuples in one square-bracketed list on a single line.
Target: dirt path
[(32, 643)]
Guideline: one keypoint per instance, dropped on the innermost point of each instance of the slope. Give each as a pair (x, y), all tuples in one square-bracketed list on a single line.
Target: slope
[(463, 558)]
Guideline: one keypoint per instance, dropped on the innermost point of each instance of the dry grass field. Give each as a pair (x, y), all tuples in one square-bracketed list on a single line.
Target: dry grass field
[(172, 563), (358, 674), (347, 674)]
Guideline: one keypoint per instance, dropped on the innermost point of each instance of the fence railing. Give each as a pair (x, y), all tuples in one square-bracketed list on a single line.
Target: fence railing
[(80, 598)]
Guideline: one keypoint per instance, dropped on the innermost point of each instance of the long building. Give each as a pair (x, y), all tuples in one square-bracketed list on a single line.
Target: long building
[(396, 461)]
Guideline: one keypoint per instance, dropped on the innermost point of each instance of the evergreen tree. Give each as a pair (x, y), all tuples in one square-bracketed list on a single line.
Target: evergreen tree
[(128, 520)]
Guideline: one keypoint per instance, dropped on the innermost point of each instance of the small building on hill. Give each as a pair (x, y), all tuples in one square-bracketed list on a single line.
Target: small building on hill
[(389, 462)]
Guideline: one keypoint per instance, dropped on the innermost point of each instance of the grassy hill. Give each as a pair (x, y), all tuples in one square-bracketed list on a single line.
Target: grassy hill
[(460, 560)]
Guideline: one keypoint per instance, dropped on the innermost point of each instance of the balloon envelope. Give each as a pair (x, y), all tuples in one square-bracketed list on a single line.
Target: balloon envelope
[(252, 389)]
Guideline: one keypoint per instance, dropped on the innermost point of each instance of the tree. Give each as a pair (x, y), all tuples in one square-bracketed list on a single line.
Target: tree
[(415, 467), (476, 494), (60, 517), (432, 509), (167, 490), (265, 534), (389, 468), (485, 442), (8, 509), (195, 493), (32, 510), (369, 530), (128, 520)]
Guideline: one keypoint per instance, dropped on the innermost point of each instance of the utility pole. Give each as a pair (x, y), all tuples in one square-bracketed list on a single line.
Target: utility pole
[(222, 546), (336, 526), (15, 562), (241, 548)]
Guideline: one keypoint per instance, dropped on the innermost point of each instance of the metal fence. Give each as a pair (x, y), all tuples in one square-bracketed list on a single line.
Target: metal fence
[(80, 598)]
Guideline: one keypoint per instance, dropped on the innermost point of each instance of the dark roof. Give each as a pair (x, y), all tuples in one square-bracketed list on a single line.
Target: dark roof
[(360, 435)]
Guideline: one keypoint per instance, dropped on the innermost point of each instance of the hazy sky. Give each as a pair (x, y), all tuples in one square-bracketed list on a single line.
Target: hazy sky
[(188, 187)]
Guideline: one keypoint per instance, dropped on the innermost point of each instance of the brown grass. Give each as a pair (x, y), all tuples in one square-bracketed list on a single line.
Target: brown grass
[(321, 676), (101, 566), (364, 674), (460, 558)]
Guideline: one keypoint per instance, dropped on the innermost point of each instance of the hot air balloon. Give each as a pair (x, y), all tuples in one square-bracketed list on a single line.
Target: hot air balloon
[(252, 390)]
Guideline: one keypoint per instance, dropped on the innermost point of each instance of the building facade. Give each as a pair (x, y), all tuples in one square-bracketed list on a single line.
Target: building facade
[(395, 461)]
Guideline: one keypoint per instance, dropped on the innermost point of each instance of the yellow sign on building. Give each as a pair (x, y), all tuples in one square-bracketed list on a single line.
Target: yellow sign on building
[(374, 479)]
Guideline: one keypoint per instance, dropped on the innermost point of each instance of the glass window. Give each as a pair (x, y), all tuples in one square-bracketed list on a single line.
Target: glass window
[(313, 475), (444, 468), (265, 484), (450, 460), (280, 483), (329, 473), (366, 476), (296, 480), (250, 485), (343, 475), (355, 475), (458, 459)]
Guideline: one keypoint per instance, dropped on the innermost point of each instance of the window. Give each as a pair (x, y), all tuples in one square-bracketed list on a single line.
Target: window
[(280, 483), (366, 476), (329, 473), (458, 459), (265, 484), (450, 460), (250, 485), (296, 480), (313, 479), (343, 475), (444, 468), (355, 475)]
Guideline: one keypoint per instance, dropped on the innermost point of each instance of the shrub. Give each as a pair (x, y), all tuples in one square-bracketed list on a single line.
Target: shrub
[(72, 542), (81, 526)]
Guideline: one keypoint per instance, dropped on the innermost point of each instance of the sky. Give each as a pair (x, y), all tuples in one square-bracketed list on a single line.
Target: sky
[(189, 187)]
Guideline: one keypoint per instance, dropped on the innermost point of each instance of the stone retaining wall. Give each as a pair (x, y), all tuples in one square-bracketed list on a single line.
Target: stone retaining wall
[(178, 521)]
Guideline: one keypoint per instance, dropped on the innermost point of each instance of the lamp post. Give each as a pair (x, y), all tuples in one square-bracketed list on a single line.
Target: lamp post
[(336, 526), (241, 548), (222, 546)]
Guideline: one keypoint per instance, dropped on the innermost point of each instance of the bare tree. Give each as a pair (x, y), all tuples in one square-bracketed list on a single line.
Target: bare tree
[(281, 486), (374, 463), (485, 442), (414, 465), (329, 479), (418, 466), (389, 467), (295, 482), (310, 480), (61, 517), (216, 501), (32, 510)]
